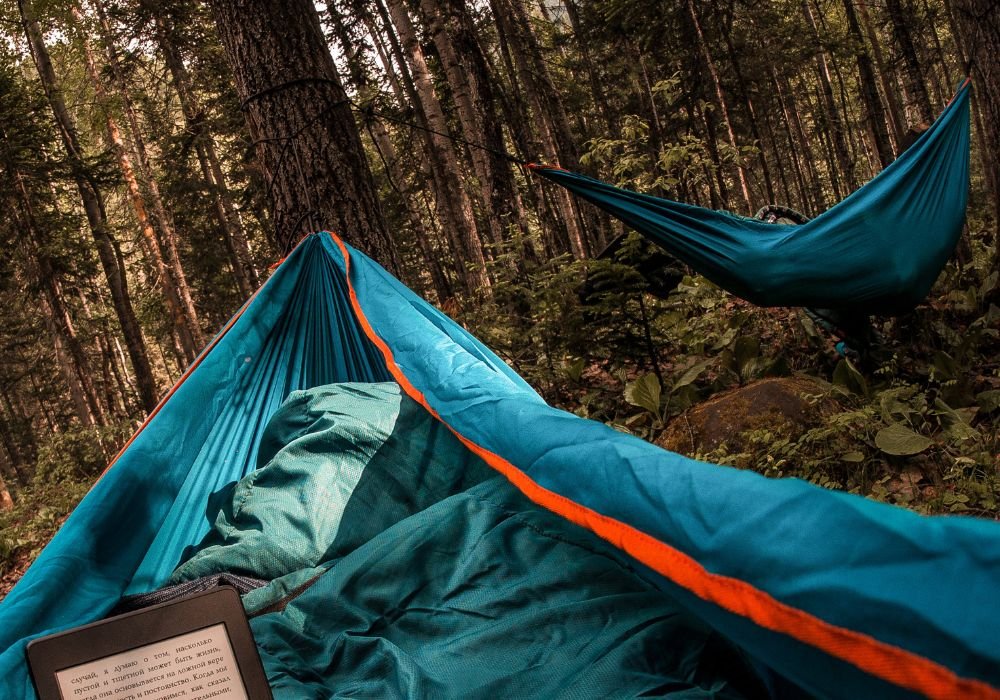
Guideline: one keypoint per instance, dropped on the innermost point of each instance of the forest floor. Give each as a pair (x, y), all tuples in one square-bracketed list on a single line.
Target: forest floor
[(718, 379)]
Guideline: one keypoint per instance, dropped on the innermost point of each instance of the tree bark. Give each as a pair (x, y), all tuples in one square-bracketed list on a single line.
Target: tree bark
[(875, 115), (383, 142), (980, 20), (184, 340), (233, 235), (301, 122), (831, 114), (894, 110), (425, 99), (916, 87), (69, 350), (742, 84), (446, 188), (557, 145), (723, 106), (93, 205), (468, 77), (162, 218)]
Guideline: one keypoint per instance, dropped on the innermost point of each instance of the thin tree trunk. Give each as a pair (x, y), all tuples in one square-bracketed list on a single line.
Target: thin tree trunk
[(596, 91), (107, 249), (234, 235), (550, 115), (980, 20), (742, 83), (875, 115), (794, 150), (69, 351), (426, 97), (721, 100), (831, 115), (444, 182), (184, 341), (919, 101), (813, 180), (165, 226), (894, 111), (468, 76), (81, 407), (383, 142), (986, 162), (517, 116)]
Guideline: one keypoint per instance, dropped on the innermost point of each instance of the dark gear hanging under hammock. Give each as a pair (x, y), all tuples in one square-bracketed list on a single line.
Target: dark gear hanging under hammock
[(878, 251)]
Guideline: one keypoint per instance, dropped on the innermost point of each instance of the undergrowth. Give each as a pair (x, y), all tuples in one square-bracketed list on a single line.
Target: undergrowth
[(917, 426)]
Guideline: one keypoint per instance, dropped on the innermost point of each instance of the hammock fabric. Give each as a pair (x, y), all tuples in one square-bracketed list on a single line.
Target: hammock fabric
[(839, 595), (876, 252)]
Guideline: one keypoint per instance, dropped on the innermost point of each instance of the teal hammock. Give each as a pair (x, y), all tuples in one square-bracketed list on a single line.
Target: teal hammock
[(878, 251), (836, 594)]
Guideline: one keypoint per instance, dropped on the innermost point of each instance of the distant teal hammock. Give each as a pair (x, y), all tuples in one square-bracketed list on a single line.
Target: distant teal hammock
[(878, 251)]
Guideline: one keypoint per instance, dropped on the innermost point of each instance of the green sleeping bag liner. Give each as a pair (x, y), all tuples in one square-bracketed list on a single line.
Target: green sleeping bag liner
[(401, 565)]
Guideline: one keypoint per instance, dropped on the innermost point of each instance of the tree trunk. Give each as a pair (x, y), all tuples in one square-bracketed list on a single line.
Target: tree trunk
[(723, 107), (916, 89), (301, 122), (164, 222), (812, 175), (742, 84), (875, 115), (468, 76), (383, 142), (233, 235), (980, 20), (184, 340), (70, 354), (894, 110), (93, 205), (986, 162), (425, 99), (831, 113), (596, 91), (444, 182), (557, 145)]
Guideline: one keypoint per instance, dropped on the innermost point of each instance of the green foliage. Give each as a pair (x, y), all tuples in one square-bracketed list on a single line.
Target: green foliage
[(74, 454), (37, 513), (919, 428)]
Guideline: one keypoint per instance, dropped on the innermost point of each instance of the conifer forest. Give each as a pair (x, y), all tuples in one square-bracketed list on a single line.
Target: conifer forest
[(159, 157)]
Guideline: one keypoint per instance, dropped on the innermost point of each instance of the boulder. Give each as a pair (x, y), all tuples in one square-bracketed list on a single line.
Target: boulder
[(776, 403)]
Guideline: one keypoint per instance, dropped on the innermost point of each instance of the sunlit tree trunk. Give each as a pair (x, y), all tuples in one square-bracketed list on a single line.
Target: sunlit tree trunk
[(107, 249), (183, 339), (429, 104), (721, 100)]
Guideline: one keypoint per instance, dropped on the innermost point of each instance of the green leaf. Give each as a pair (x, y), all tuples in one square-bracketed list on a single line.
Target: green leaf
[(853, 457), (644, 392), (988, 401), (746, 350), (945, 367), (847, 376), (956, 423), (691, 374), (574, 369), (728, 337), (897, 439)]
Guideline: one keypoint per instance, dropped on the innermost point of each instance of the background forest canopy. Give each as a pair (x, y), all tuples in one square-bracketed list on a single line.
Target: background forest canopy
[(147, 183)]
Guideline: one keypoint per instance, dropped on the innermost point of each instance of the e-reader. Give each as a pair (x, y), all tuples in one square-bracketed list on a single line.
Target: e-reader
[(196, 648)]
